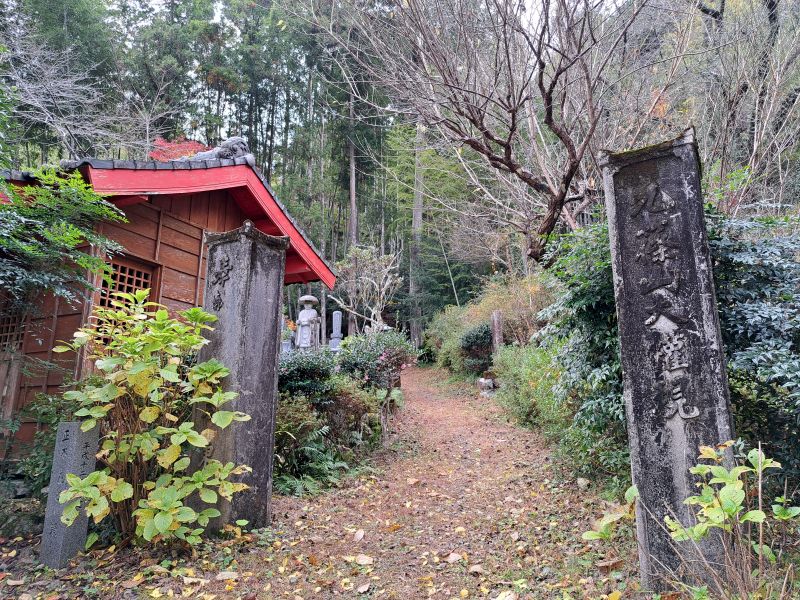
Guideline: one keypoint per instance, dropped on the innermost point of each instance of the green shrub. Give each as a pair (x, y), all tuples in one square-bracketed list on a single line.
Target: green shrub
[(519, 299), (304, 461), (351, 415), (528, 375), (307, 373), (315, 441), (146, 387), (757, 277), (476, 348), (376, 359)]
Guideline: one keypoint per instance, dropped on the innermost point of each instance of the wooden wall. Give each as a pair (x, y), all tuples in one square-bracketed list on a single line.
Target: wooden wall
[(166, 233)]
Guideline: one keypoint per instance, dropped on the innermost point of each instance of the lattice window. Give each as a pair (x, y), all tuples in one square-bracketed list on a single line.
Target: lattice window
[(11, 329), (127, 276)]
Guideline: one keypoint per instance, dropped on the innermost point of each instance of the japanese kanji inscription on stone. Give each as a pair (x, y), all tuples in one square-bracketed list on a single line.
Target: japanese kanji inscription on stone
[(74, 453), (676, 389)]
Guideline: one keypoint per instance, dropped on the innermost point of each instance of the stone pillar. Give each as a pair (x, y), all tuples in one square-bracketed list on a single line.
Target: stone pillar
[(336, 335), (244, 284), (497, 331), (675, 383), (74, 453)]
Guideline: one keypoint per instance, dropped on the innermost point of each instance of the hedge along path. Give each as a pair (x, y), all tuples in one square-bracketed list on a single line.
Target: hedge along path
[(461, 505)]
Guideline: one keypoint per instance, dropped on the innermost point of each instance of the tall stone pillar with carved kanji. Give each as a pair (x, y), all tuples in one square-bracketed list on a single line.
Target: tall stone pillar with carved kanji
[(675, 383), (244, 283)]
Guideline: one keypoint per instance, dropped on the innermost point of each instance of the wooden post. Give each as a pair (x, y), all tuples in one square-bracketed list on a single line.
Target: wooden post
[(497, 331)]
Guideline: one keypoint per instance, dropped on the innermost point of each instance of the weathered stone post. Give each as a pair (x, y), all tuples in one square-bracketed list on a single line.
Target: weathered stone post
[(676, 388), (244, 285), (74, 453), (336, 334)]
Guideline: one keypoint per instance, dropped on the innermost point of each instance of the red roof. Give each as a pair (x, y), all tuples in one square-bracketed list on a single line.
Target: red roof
[(131, 182)]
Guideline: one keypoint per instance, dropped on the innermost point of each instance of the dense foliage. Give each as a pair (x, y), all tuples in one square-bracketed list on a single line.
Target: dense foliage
[(475, 346), (334, 409), (757, 275), (450, 341), (146, 396), (45, 235), (376, 359), (307, 374)]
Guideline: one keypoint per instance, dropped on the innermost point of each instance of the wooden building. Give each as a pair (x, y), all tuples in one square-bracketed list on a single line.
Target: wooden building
[(169, 207)]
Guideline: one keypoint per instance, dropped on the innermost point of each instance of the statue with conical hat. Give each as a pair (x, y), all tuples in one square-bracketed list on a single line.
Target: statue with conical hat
[(307, 334)]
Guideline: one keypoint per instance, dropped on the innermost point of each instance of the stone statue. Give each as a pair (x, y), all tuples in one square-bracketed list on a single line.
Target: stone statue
[(307, 334), (234, 147)]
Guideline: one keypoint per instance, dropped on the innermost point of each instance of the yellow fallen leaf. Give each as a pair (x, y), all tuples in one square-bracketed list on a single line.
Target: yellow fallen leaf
[(615, 595)]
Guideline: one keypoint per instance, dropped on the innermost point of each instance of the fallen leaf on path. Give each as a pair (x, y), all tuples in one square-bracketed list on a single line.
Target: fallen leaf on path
[(454, 557), (476, 569), (364, 560), (606, 566), (615, 595), (359, 535), (227, 576), (363, 589), (15, 582), (412, 481), (507, 595)]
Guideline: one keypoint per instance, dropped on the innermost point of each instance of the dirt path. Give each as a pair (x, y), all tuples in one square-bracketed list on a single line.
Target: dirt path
[(461, 504)]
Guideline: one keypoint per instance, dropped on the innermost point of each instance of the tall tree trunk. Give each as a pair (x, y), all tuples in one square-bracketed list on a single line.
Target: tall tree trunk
[(416, 242), (271, 147), (353, 226), (351, 149), (286, 124)]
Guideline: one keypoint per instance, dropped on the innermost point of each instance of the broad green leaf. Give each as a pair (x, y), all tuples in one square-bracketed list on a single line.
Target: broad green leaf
[(208, 495), (90, 540), (170, 374), (122, 491), (149, 414), (197, 440), (163, 521), (150, 531), (731, 498), (754, 516), (222, 418), (169, 455), (631, 494)]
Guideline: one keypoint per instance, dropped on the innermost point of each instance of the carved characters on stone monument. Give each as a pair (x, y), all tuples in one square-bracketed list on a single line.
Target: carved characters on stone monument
[(74, 454), (655, 217), (219, 277)]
